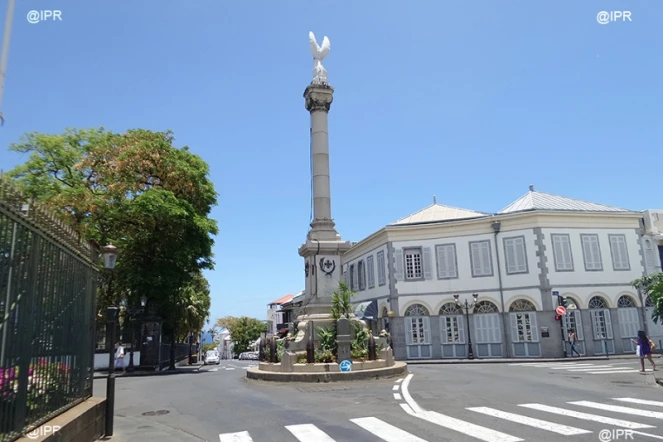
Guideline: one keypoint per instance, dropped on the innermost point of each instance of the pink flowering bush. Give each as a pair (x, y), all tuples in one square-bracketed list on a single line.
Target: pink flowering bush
[(48, 386)]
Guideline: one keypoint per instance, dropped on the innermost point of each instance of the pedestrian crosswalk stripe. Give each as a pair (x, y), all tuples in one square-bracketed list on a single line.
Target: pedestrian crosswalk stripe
[(586, 416), (235, 437), (524, 420), (577, 365), (230, 368), (612, 371), (308, 433), (639, 401), (600, 368), (619, 409), (467, 428), (384, 431)]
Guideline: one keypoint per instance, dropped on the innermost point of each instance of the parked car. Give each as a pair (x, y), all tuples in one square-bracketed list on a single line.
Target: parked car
[(212, 357), (249, 355)]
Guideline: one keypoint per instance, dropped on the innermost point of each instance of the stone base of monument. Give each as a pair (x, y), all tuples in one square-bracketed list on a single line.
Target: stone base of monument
[(288, 370)]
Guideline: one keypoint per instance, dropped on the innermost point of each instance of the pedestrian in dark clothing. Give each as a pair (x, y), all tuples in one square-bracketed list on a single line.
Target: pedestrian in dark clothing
[(644, 349)]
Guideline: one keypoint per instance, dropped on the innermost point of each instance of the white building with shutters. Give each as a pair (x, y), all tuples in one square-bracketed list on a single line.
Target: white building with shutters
[(515, 261)]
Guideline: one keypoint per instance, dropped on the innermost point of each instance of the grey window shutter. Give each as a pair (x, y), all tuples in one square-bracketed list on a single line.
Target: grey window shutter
[(428, 262), (398, 265)]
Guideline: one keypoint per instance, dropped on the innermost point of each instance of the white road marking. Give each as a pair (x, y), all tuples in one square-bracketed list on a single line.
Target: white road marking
[(472, 430), (384, 431), (547, 364), (230, 368), (600, 369), (397, 396), (214, 369), (406, 395), (612, 371), (235, 437), (476, 431), (647, 434), (586, 416), (399, 381), (536, 423), (639, 401), (577, 365), (619, 409), (308, 433), (396, 387)]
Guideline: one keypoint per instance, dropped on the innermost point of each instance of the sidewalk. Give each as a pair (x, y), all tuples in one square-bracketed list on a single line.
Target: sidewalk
[(522, 360), (131, 429), (179, 369)]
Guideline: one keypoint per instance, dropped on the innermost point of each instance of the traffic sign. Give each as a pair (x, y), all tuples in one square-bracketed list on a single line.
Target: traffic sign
[(346, 366), (561, 310)]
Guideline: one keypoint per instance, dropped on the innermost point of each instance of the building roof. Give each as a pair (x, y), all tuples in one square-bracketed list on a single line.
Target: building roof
[(534, 200), (438, 212), (282, 300)]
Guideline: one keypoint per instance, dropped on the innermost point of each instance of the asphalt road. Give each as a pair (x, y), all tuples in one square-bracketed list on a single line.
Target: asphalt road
[(459, 403)]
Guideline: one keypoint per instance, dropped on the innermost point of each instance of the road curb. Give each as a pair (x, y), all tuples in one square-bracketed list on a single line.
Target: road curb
[(398, 369), (149, 373), (517, 361)]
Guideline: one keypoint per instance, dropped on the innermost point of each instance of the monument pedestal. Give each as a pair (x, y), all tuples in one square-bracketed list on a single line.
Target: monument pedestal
[(322, 267)]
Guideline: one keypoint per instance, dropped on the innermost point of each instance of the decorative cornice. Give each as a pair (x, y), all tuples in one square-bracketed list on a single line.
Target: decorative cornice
[(318, 97)]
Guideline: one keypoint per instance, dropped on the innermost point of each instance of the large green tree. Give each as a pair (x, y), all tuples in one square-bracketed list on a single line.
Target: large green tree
[(244, 331), (137, 191), (652, 286)]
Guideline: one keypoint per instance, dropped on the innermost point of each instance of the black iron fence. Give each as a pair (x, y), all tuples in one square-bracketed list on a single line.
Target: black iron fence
[(181, 353), (47, 309)]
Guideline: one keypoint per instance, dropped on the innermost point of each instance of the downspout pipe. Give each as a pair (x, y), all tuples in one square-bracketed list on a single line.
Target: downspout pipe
[(496, 228)]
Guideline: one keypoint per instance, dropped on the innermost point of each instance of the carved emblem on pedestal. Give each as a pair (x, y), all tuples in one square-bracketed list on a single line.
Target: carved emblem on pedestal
[(327, 265)]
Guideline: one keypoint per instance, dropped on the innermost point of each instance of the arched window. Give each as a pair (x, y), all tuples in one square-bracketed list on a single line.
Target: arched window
[(597, 303), (485, 307), (522, 305), (416, 310), (571, 304), (385, 312), (417, 335), (450, 308), (625, 301)]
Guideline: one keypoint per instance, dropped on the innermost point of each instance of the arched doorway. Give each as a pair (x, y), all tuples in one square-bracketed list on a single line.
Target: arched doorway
[(417, 332), (487, 330), (629, 322), (573, 321), (524, 329), (452, 331), (601, 326)]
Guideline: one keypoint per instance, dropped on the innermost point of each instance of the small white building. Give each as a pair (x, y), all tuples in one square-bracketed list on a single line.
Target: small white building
[(276, 316), (516, 261)]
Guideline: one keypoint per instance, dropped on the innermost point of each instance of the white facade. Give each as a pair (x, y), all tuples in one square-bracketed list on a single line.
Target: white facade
[(514, 261)]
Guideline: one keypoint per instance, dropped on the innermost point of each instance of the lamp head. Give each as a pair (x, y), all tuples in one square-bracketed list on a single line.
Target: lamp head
[(475, 296), (143, 301), (109, 253)]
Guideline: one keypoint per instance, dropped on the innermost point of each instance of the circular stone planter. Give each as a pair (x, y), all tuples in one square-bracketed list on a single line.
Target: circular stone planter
[(324, 373)]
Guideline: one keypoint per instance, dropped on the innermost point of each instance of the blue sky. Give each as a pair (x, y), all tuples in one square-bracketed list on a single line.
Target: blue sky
[(470, 100)]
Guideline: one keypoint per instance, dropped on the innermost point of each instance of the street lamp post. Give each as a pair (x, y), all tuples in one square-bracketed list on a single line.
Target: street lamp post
[(467, 306), (132, 311), (109, 253)]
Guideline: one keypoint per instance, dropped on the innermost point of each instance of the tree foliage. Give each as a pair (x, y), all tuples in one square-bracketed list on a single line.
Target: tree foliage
[(139, 192), (244, 331), (652, 286)]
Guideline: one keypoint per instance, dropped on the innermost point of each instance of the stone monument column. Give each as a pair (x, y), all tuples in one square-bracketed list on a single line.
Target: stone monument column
[(323, 247)]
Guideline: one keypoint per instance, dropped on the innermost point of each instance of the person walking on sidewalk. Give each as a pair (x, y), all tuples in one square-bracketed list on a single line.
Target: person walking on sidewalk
[(644, 349), (573, 340), (119, 356)]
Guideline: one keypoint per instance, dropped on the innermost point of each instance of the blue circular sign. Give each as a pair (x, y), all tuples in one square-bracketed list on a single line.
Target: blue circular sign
[(346, 366)]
